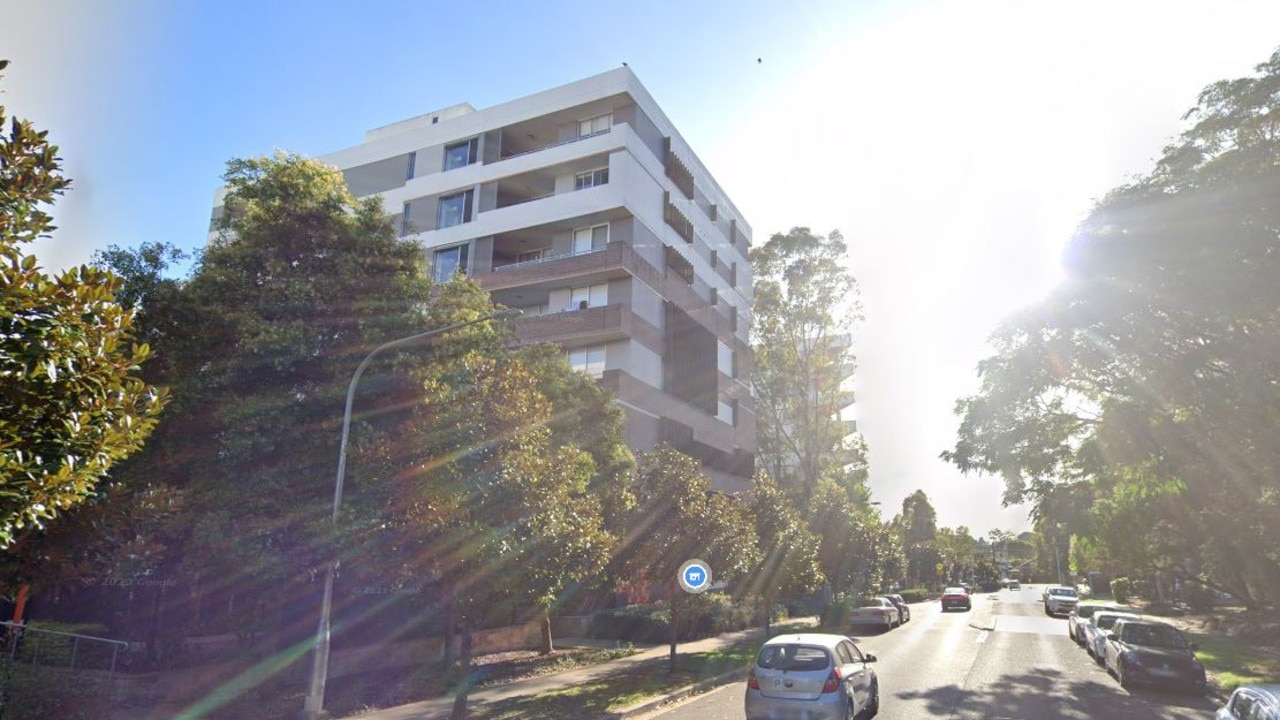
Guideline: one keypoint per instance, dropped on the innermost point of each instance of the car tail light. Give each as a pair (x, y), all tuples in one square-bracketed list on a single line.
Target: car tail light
[(833, 681), (752, 682)]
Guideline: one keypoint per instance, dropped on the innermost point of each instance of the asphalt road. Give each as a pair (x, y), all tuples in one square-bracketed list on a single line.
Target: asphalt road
[(1004, 659)]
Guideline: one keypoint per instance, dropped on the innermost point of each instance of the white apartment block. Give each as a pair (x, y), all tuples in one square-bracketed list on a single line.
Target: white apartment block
[(582, 206)]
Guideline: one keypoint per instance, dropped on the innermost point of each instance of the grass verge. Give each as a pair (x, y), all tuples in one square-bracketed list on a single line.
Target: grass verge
[(1231, 663), (623, 688)]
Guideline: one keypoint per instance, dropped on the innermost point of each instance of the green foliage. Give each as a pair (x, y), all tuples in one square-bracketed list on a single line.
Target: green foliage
[(1198, 597), (914, 595), (1146, 389), (71, 401), (805, 306), (849, 537), (44, 693), (700, 616), (789, 564), (676, 517), (1121, 589)]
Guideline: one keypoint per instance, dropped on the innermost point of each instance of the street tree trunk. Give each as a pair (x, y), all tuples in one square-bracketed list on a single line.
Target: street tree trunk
[(465, 677), (544, 619)]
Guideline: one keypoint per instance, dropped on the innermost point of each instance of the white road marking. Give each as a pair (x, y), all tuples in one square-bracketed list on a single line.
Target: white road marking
[(982, 636)]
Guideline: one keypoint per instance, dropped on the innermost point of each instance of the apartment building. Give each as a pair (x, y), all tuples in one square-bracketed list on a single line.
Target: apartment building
[(583, 207)]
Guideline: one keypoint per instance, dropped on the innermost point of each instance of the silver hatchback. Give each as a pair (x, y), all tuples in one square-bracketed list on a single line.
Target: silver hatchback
[(812, 676)]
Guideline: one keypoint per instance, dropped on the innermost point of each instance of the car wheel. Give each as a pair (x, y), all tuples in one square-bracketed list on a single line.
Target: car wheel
[(873, 704)]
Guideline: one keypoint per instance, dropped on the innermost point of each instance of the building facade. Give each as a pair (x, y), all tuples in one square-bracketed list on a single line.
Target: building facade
[(583, 207)]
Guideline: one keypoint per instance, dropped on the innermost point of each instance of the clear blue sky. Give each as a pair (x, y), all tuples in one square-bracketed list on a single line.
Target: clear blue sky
[(955, 144)]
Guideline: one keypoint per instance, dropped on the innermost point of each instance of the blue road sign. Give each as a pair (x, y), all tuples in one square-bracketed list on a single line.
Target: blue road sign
[(695, 576)]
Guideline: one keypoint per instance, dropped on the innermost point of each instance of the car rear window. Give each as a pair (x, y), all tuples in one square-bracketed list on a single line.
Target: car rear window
[(793, 657), (1067, 592)]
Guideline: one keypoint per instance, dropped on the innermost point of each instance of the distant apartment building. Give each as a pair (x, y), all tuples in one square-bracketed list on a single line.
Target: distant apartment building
[(582, 206)]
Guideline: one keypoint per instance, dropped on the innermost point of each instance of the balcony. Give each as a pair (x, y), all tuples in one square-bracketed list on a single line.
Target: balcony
[(575, 328)]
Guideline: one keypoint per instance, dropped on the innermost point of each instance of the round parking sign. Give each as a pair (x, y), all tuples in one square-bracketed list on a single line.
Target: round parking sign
[(695, 576)]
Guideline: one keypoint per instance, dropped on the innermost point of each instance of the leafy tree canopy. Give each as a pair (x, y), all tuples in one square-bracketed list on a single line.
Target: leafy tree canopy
[(71, 401), (1146, 389)]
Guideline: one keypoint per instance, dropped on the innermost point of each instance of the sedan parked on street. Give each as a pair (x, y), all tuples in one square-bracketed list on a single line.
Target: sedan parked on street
[(1252, 702), (1080, 615), (877, 612), (903, 608), (814, 676), (1152, 653), (1099, 628), (1059, 599), (956, 597)]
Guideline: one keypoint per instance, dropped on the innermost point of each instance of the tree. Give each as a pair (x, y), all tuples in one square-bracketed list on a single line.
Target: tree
[(476, 492), (805, 306), (788, 550), (847, 533), (676, 518), (1147, 387), (918, 527), (71, 401)]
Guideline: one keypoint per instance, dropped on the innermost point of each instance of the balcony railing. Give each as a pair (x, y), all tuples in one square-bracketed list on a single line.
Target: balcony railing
[(545, 259), (553, 145)]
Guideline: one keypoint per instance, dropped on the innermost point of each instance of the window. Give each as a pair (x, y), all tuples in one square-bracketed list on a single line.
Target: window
[(590, 179), (460, 154), (590, 238), (713, 296), (406, 221), (588, 360), (733, 319), (448, 262), (581, 298), (595, 126), (724, 359), (530, 255), (725, 413), (733, 274), (413, 160), (454, 210), (715, 256)]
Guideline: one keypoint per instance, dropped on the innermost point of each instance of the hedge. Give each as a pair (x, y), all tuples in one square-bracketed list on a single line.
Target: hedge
[(699, 616)]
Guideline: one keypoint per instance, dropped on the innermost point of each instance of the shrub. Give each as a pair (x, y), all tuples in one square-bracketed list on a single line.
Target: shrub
[(1197, 596), (42, 693), (913, 595), (59, 650), (699, 616), (1121, 589)]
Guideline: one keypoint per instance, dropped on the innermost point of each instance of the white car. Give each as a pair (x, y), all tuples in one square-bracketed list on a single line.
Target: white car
[(1098, 629), (877, 612), (814, 676), (1059, 599)]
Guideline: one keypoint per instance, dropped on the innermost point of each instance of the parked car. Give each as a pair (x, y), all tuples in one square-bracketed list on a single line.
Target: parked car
[(812, 675), (877, 612), (1099, 628), (1080, 614), (1152, 653), (956, 597), (1252, 702), (904, 610), (1059, 599), (1014, 585)]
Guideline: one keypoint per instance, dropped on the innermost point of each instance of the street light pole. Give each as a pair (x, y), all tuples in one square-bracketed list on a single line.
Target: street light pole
[(313, 704)]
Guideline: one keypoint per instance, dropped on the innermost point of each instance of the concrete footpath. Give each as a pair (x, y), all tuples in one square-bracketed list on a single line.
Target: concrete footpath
[(439, 708)]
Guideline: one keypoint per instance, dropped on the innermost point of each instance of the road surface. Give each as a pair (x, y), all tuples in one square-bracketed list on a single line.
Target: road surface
[(1004, 659)]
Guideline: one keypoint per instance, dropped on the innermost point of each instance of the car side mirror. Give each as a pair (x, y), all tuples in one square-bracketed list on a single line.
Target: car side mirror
[(868, 657)]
